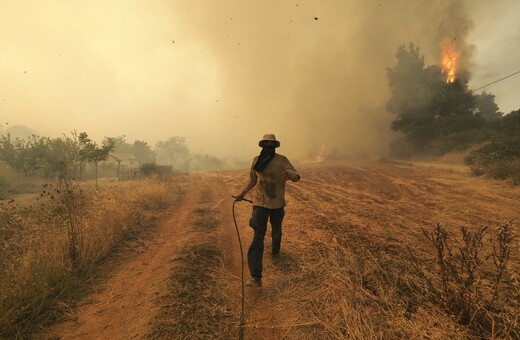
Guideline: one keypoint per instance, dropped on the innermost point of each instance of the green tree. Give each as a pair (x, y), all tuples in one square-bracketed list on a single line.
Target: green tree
[(121, 145), (24, 155), (430, 113), (63, 156), (487, 108), (412, 90), (173, 151), (89, 150), (143, 152)]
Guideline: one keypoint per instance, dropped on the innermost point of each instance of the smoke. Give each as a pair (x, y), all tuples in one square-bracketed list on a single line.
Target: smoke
[(315, 72), (220, 73)]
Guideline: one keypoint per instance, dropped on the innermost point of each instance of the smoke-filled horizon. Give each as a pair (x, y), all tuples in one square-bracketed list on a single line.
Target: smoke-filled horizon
[(223, 73)]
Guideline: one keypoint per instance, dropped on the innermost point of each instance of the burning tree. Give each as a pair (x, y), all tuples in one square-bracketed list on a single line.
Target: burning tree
[(434, 109)]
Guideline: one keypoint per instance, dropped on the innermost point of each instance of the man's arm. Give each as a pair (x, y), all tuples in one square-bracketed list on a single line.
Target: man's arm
[(249, 186), (287, 175), (290, 172)]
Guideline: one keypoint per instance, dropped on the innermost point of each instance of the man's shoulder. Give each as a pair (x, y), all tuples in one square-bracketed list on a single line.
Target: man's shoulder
[(282, 158)]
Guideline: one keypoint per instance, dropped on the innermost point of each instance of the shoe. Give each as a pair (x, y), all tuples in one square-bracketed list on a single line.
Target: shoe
[(254, 282)]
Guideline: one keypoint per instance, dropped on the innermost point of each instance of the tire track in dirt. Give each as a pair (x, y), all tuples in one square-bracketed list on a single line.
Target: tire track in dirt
[(124, 305)]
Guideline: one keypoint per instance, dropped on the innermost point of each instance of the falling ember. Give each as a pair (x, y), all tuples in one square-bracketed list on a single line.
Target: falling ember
[(321, 155), (449, 58)]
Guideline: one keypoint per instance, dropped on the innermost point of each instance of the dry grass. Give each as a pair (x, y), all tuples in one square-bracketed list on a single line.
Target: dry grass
[(38, 275), (348, 293), (346, 270), (360, 291), (194, 306)]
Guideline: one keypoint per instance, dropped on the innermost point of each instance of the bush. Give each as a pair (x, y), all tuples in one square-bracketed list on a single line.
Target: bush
[(152, 169), (499, 159), (472, 281)]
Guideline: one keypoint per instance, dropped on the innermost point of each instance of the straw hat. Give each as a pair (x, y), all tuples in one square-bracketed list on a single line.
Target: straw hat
[(268, 138)]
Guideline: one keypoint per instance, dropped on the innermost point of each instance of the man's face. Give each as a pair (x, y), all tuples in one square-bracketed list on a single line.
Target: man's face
[(269, 144)]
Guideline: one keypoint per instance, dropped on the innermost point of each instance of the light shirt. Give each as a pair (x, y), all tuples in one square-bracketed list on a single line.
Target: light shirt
[(270, 185)]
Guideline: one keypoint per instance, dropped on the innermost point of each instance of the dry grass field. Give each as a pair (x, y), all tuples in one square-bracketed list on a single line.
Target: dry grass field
[(38, 274), (370, 250)]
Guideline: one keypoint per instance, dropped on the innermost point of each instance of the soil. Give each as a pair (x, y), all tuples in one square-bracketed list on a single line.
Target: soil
[(382, 206)]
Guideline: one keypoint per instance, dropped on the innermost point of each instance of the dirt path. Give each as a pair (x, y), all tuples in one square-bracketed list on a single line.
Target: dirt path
[(126, 304), (123, 306)]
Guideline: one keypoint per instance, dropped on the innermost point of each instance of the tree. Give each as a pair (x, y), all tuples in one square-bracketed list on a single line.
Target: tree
[(428, 110), (143, 152), (89, 151), (63, 156), (121, 145), (411, 85), (486, 107), (173, 151), (24, 155)]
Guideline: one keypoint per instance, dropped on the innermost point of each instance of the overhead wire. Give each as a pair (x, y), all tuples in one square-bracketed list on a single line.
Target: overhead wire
[(496, 81)]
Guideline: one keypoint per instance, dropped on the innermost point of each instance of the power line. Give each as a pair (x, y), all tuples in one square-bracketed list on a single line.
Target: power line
[(496, 81)]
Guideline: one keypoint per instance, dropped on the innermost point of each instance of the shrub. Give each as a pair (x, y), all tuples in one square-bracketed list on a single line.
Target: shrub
[(152, 169), (473, 277), (500, 158)]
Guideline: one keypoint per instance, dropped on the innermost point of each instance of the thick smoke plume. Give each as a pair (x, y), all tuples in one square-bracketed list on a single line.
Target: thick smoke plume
[(314, 72)]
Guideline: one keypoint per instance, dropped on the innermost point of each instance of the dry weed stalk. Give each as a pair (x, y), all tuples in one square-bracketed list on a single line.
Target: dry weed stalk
[(470, 290), (358, 294)]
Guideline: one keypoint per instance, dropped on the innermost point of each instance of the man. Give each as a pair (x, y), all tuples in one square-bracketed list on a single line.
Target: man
[(269, 172)]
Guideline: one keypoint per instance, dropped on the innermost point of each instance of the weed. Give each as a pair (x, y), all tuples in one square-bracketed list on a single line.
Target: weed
[(471, 284)]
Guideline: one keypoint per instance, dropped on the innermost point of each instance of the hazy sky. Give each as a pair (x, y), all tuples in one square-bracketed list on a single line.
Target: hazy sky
[(223, 73)]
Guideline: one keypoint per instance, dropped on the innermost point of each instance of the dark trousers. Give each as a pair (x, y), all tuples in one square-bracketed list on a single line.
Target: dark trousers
[(259, 224)]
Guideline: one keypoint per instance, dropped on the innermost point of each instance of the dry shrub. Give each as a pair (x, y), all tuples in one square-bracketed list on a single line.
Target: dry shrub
[(41, 268), (356, 295), (473, 281), (349, 285)]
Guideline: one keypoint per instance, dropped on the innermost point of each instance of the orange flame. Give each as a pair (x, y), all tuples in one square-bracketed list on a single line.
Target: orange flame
[(321, 155), (449, 58)]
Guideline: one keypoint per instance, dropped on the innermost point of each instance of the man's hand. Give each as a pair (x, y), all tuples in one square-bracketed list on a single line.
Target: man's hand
[(241, 198), (290, 176)]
